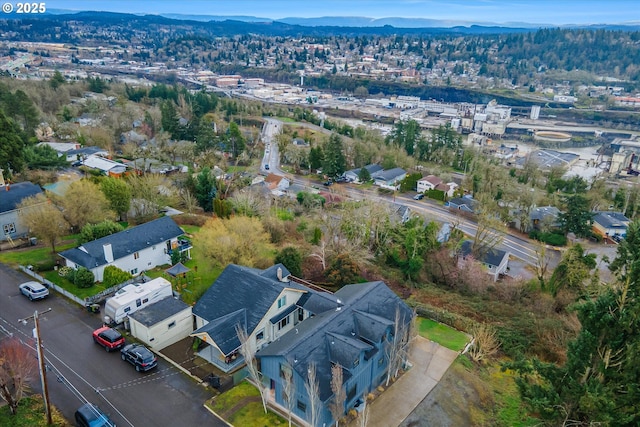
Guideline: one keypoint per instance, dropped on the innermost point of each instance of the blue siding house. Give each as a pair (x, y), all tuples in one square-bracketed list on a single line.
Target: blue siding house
[(354, 333)]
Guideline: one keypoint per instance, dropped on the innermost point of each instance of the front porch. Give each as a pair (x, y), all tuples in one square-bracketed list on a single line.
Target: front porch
[(226, 363)]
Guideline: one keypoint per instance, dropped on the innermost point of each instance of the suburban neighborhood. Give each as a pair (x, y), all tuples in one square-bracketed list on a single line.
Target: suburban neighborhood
[(213, 218)]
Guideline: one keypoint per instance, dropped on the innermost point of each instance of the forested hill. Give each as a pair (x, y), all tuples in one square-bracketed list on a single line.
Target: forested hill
[(502, 53)]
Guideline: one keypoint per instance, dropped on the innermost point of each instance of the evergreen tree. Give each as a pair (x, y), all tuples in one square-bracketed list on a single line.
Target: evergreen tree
[(316, 157), (205, 189), (11, 146), (600, 382), (334, 161), (291, 258), (577, 217), (57, 80)]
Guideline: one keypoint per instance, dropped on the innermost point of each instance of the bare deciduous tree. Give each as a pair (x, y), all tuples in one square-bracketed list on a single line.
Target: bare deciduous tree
[(339, 394), (288, 389), (396, 348), (363, 418), (313, 393), (484, 344), (18, 365), (543, 259), (248, 351)]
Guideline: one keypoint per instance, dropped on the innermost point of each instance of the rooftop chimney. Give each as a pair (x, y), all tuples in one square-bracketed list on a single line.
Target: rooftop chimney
[(108, 252)]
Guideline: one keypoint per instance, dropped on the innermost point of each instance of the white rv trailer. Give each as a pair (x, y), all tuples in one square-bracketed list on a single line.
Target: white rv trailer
[(135, 297)]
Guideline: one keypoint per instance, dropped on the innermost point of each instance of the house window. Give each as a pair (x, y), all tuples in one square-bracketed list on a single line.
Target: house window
[(138, 302), (171, 325), (302, 406), (351, 393), (136, 255), (284, 322), (127, 309), (356, 362), (9, 228), (300, 314), (134, 271), (282, 301), (146, 300), (285, 370), (260, 335)]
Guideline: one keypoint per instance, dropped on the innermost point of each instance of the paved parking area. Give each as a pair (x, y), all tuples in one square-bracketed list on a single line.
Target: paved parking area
[(430, 361)]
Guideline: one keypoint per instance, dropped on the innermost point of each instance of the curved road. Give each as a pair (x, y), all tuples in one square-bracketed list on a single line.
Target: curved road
[(519, 247)]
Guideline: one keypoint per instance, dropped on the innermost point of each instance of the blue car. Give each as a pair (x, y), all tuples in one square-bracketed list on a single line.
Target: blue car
[(89, 415)]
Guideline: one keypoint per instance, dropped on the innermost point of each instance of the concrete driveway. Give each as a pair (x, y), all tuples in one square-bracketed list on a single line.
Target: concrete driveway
[(430, 361)]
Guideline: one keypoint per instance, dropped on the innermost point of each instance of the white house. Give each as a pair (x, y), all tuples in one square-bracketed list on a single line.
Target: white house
[(353, 174), (429, 182), (264, 303), (449, 188), (610, 224), (162, 323), (495, 260), (389, 179), (276, 183), (108, 167), (134, 250)]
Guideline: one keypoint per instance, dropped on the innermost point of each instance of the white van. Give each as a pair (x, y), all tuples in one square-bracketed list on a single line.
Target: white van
[(133, 297)]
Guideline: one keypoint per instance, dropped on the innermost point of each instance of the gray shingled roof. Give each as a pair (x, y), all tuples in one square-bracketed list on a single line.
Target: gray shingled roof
[(159, 311), (12, 194), (124, 243), (347, 327), (390, 174), (236, 289), (611, 220), (492, 256)]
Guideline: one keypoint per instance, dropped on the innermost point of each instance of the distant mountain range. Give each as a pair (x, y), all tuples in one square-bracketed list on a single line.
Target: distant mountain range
[(395, 22)]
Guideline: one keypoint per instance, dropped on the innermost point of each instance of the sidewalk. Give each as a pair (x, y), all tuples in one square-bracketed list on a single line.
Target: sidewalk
[(430, 361)]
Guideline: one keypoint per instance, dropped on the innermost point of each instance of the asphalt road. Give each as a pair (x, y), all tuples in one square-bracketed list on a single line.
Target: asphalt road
[(523, 249), (81, 371)]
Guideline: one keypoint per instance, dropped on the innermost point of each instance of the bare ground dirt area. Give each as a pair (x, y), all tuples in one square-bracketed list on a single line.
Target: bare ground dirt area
[(448, 404), (471, 395)]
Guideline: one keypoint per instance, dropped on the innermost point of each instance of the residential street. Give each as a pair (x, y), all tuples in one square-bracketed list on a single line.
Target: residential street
[(82, 371), (521, 248)]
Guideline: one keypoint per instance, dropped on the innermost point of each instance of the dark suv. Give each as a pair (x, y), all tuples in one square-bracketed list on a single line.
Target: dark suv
[(89, 415), (109, 338), (139, 356)]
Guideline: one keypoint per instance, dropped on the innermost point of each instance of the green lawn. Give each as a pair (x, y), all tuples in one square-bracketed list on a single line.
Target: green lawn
[(442, 334), (30, 414), (286, 119), (54, 277), (251, 414), (34, 256)]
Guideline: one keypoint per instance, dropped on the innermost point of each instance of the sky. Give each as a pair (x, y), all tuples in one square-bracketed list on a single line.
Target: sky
[(556, 12)]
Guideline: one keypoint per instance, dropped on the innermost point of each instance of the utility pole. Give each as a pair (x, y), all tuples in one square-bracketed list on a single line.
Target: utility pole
[(41, 362)]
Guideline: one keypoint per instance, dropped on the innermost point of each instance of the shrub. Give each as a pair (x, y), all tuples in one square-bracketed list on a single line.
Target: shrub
[(114, 276), (553, 239), (82, 277), (64, 271), (436, 194)]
